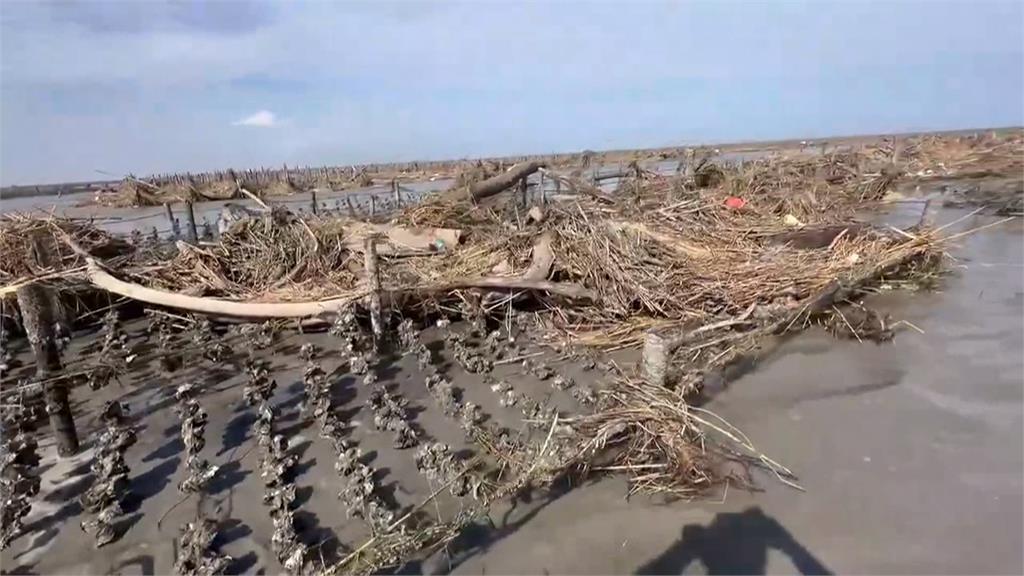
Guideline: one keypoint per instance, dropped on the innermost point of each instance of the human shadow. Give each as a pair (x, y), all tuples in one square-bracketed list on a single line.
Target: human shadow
[(243, 564), (144, 562), (237, 431), (733, 543), (150, 483), (478, 537), (172, 447), (228, 476)]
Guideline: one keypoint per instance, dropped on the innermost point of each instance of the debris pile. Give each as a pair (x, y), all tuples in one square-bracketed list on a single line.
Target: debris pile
[(110, 474)]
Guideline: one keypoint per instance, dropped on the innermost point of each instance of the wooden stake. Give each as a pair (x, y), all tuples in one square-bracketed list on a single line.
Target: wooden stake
[(397, 192), (351, 210), (373, 283), (312, 201), (190, 218), (171, 221)]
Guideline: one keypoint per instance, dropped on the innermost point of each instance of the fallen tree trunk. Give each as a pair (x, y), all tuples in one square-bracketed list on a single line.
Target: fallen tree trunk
[(503, 181)]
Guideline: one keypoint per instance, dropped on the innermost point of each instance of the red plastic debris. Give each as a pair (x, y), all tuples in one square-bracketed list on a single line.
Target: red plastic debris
[(735, 203)]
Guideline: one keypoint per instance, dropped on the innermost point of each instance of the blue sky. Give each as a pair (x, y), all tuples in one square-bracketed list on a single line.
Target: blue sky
[(148, 87)]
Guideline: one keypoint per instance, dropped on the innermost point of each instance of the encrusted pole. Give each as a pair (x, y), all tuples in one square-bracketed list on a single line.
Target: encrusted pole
[(37, 303), (373, 283)]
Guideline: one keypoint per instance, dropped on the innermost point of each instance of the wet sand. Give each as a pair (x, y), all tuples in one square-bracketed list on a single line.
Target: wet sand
[(910, 454)]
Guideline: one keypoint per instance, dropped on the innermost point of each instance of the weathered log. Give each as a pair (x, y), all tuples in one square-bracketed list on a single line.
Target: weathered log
[(503, 181)]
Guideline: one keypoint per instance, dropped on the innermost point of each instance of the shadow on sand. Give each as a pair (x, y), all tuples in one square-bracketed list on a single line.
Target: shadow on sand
[(733, 543)]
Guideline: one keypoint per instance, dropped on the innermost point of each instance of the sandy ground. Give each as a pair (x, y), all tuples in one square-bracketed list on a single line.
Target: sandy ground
[(910, 454)]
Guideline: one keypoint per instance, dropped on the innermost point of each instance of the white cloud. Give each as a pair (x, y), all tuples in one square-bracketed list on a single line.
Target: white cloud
[(261, 119)]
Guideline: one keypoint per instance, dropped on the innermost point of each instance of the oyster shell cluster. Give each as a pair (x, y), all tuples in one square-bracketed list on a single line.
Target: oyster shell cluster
[(19, 472), (110, 473)]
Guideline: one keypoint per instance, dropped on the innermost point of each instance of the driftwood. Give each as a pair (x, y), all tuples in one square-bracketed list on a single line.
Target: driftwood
[(102, 279), (532, 279), (503, 181)]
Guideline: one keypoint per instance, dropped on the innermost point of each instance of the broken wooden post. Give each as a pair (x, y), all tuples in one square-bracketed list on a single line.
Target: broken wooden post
[(522, 192), (543, 197), (170, 220), (373, 205), (351, 210), (39, 317), (190, 219), (373, 283), (312, 202), (655, 358), (397, 192)]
